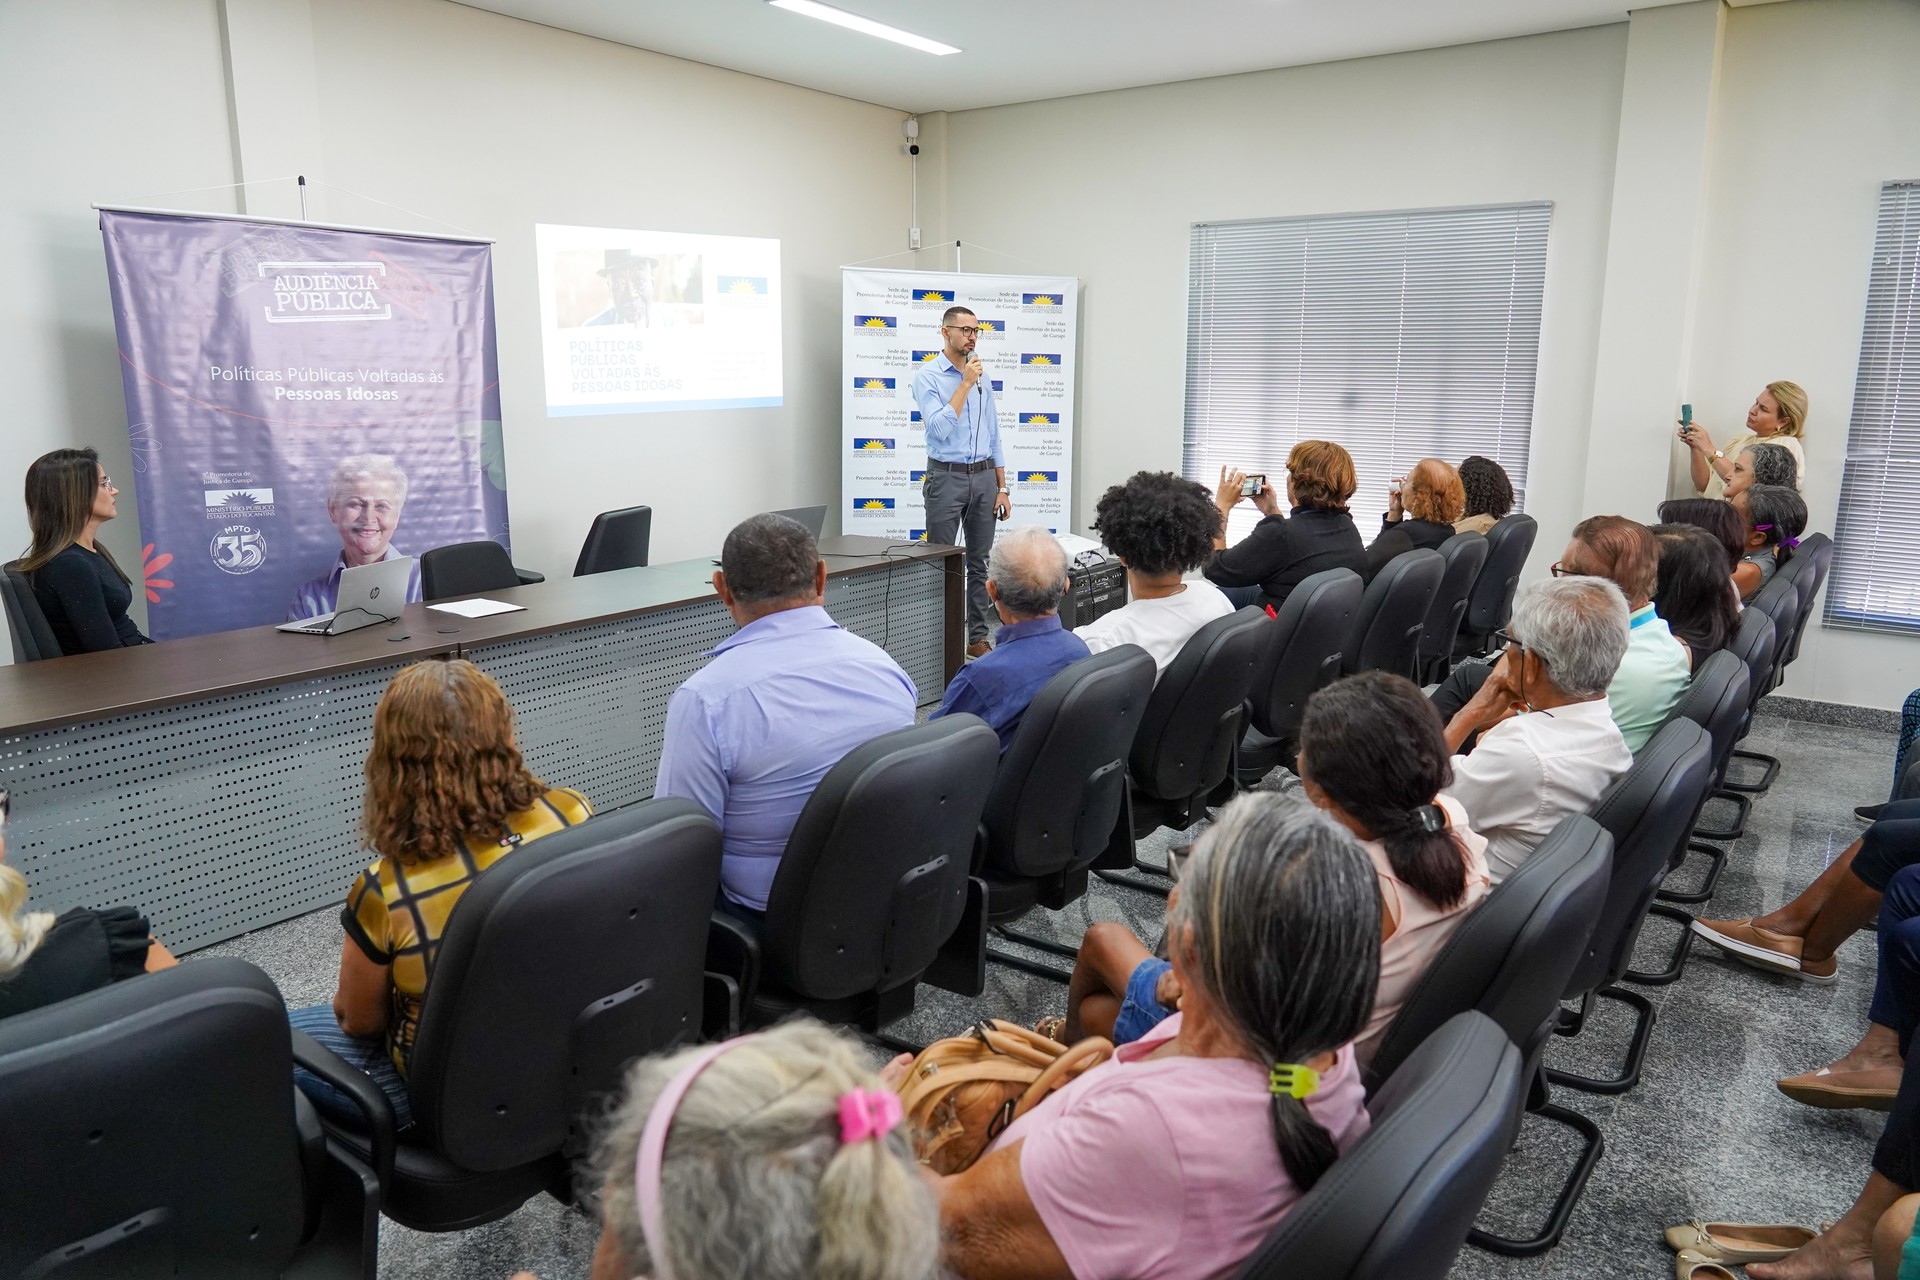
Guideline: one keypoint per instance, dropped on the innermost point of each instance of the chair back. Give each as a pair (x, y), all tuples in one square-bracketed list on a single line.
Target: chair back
[(1717, 699), (1302, 652), (1753, 644), (561, 964), (1399, 1204), (1393, 613), (150, 1130), (1490, 605), (27, 625), (465, 569), (1649, 811), (874, 877), (1808, 569), (1192, 722), (1465, 555), (1780, 601), (617, 540), (1058, 791), (1513, 954)]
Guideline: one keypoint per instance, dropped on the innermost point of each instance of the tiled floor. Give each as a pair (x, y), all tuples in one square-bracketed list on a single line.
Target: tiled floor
[(1704, 1135)]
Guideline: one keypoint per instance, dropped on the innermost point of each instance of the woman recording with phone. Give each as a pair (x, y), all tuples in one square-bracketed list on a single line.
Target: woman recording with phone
[(1265, 566), (1778, 416)]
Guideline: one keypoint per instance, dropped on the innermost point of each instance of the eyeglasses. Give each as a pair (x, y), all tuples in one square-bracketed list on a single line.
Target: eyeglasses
[(106, 482), (1506, 641), (1559, 569), (967, 332)]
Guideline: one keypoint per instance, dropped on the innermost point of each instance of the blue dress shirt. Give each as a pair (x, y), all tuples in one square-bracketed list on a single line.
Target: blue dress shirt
[(998, 687), (967, 436), (751, 734)]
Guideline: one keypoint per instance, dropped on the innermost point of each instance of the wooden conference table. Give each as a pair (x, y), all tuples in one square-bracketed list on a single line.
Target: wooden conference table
[(215, 783)]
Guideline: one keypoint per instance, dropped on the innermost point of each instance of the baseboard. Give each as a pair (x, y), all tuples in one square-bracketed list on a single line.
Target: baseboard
[(1876, 719)]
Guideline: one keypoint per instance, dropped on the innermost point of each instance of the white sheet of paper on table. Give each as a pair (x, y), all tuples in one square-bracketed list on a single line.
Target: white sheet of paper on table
[(482, 608)]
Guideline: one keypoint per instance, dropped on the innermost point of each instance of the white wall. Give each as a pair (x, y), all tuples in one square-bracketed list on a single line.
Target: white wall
[(1107, 186), (1820, 104)]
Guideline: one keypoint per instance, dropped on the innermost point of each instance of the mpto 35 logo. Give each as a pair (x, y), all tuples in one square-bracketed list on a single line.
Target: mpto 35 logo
[(238, 548)]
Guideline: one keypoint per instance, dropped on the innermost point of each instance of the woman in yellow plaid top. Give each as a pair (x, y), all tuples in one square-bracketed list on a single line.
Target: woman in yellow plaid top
[(447, 797)]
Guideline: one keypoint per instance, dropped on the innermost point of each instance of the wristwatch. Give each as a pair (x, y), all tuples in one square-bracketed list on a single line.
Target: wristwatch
[(1720, 455), (1006, 490)]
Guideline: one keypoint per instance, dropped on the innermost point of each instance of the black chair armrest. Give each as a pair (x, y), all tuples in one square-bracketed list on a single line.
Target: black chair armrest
[(733, 951), (367, 1096), (528, 577)]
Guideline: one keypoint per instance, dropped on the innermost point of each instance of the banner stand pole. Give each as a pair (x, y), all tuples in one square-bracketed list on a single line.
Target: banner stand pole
[(956, 257), (302, 180)]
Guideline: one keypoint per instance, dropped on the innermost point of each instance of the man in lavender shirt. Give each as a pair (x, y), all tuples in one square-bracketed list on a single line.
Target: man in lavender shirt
[(751, 734)]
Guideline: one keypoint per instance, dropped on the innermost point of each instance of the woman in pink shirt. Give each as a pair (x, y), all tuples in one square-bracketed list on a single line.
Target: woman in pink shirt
[(1373, 755), (1175, 1158)]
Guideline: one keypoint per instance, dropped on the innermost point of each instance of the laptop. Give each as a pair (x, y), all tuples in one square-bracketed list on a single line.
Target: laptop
[(815, 518), (369, 594)]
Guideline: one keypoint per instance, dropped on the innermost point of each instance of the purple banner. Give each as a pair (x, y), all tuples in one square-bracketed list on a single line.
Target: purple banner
[(299, 399)]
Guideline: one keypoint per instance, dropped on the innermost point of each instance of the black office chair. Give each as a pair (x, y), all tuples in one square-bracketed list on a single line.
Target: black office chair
[(1716, 699), (1398, 1205), (1059, 805), (560, 966), (468, 569), (1649, 812), (1184, 756), (1465, 555), (1779, 600), (1808, 569), (874, 879), (1510, 959), (1490, 605), (617, 540), (152, 1129), (1301, 654), (32, 637), (1393, 613)]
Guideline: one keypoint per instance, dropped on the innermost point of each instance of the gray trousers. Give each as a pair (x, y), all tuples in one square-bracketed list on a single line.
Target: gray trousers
[(959, 503)]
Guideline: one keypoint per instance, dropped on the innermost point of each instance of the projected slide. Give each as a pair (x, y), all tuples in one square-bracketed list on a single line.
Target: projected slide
[(638, 321)]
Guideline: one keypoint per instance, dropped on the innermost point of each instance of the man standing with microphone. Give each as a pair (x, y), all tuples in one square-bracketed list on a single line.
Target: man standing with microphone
[(966, 482)]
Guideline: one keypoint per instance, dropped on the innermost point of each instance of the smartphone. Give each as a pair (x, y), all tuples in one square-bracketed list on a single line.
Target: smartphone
[(1686, 415), (1253, 484)]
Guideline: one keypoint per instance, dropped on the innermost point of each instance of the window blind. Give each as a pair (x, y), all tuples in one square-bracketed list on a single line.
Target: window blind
[(1875, 583), (1398, 335)]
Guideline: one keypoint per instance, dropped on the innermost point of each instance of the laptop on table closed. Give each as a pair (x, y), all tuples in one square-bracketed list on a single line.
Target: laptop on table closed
[(369, 594)]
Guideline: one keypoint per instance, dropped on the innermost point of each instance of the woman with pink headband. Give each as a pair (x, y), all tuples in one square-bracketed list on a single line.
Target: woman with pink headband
[(778, 1155)]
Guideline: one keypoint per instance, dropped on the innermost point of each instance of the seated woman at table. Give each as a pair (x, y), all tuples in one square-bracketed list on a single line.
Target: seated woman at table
[(75, 580), (1421, 509), (46, 958), (1176, 1157), (447, 797)]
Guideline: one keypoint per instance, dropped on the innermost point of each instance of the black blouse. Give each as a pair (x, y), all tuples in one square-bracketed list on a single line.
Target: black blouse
[(1398, 539), (83, 951), (85, 602), (1280, 553)]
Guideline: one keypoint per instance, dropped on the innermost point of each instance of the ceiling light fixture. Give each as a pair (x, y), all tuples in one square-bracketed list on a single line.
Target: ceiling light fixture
[(867, 26)]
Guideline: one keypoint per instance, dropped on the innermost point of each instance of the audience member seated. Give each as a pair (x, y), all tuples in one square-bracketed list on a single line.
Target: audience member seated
[(1691, 594), (1763, 464), (1159, 526), (447, 797), (1549, 745), (1774, 518), (1655, 669), (777, 1155), (1177, 1156), (1026, 579), (46, 958), (751, 734), (1265, 566), (1373, 754), (1906, 762), (1778, 416), (1421, 509), (80, 588), (1716, 519), (1487, 495)]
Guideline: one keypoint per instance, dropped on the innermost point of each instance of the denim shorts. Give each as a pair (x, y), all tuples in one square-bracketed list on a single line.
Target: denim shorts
[(1140, 1012)]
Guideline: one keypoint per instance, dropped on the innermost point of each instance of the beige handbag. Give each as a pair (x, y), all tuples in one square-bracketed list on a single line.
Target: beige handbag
[(962, 1092)]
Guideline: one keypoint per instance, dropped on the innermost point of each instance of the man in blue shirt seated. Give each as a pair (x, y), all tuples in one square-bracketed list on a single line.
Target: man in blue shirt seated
[(751, 734), (1026, 578)]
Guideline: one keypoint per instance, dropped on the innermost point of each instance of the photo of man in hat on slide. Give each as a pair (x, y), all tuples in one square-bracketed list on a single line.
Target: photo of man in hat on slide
[(629, 278)]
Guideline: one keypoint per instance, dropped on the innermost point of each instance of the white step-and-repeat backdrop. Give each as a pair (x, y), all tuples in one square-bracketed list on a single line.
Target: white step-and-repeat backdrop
[(1027, 330)]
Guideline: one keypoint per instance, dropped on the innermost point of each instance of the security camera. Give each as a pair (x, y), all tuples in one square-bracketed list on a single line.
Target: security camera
[(913, 148)]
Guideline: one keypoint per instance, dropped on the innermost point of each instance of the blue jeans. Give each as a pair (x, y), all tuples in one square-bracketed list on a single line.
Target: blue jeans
[(1141, 1010), (369, 1056)]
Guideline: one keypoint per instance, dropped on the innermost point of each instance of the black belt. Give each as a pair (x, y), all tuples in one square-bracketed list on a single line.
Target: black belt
[(964, 468)]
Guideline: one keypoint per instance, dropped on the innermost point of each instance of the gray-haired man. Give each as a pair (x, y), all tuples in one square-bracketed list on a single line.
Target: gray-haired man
[(1026, 579)]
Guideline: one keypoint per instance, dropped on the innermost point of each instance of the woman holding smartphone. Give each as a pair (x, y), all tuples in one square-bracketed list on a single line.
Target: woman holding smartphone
[(1778, 416), (1286, 547)]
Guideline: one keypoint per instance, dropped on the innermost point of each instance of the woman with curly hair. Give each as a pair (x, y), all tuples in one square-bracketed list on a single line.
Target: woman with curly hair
[(1421, 509), (1160, 526), (447, 797), (1489, 494)]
